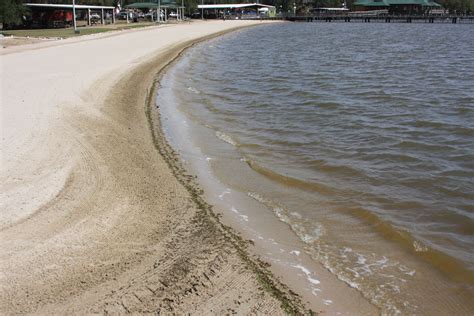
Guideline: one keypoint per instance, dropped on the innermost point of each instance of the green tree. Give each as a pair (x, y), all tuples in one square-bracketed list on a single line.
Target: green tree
[(11, 13), (461, 6), (191, 5)]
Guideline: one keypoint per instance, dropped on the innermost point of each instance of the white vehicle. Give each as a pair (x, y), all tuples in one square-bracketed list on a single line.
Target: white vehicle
[(95, 16)]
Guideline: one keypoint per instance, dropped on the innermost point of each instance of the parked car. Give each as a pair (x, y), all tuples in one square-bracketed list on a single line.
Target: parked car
[(95, 16), (122, 15)]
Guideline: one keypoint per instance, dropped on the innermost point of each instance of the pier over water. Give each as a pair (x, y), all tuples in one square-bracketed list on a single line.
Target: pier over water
[(368, 18)]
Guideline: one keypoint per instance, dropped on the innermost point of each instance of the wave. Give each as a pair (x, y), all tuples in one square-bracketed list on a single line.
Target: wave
[(451, 266), (442, 261), (356, 269), (326, 167), (226, 138), (418, 145), (346, 264), (290, 181), (432, 125), (194, 90), (293, 219)]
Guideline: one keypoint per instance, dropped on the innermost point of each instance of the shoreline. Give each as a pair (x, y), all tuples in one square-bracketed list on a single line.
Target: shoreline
[(294, 267), (261, 269), (114, 230)]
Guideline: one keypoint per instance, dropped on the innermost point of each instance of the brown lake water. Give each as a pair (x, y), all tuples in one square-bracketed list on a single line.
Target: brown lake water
[(359, 136)]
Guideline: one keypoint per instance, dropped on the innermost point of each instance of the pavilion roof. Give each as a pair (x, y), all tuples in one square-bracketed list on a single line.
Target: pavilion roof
[(66, 6), (153, 5), (387, 3), (233, 6)]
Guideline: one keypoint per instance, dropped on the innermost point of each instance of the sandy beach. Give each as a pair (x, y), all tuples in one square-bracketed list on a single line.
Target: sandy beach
[(96, 214)]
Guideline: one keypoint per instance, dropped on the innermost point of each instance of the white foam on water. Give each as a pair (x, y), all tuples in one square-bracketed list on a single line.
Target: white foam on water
[(226, 138), (342, 278), (297, 215), (308, 274), (315, 292), (208, 159), (227, 191), (316, 230), (395, 288), (354, 272), (308, 239), (244, 217), (253, 194), (295, 252), (194, 90), (383, 260), (419, 247), (389, 276), (361, 259), (360, 265), (406, 270), (364, 265), (327, 302)]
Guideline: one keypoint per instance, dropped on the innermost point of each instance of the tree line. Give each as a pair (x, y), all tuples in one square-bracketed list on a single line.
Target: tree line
[(11, 11)]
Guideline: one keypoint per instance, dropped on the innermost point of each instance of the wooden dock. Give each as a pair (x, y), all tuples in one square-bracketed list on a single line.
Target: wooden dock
[(384, 18)]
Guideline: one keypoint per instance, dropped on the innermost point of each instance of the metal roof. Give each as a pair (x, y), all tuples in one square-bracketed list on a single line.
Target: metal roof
[(153, 5), (372, 4), (68, 6), (233, 6), (386, 3), (332, 9)]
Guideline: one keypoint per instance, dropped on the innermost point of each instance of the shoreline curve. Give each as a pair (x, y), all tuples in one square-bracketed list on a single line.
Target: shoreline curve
[(130, 232)]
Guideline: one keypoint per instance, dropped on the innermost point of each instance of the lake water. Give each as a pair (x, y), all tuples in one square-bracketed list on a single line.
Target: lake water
[(359, 136)]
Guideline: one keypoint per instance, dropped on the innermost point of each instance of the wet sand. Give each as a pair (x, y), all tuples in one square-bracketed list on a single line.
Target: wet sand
[(97, 216)]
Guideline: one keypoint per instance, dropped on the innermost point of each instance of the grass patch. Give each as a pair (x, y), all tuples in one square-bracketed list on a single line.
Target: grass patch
[(53, 32), (69, 32)]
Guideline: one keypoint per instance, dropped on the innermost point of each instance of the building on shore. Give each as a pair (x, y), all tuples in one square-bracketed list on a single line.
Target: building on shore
[(237, 10), (402, 7), (53, 15), (160, 10)]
